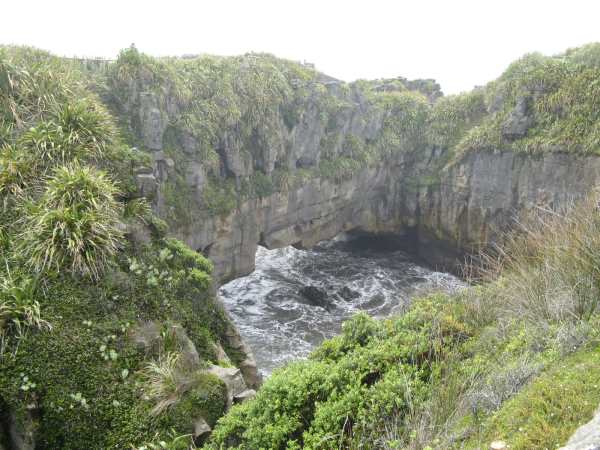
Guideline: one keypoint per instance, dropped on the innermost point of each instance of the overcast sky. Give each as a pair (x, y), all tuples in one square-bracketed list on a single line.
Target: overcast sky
[(460, 43)]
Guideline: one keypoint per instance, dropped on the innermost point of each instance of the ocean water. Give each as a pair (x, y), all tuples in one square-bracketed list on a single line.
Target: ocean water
[(280, 324)]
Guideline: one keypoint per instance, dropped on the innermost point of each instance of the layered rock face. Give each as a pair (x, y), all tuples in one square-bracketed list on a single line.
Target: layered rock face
[(482, 195), (470, 206), (301, 157)]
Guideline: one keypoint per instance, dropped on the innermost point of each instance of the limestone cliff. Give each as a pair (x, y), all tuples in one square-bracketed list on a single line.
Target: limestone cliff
[(255, 150)]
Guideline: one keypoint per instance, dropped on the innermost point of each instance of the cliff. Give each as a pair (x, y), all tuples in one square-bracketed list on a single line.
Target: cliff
[(255, 150)]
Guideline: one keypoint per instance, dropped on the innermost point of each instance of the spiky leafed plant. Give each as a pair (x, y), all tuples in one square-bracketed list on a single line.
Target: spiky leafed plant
[(78, 130), (19, 311), (74, 225), (32, 83), (16, 166), (165, 382), (87, 127)]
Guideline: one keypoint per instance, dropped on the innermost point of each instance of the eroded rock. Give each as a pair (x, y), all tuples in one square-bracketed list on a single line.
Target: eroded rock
[(518, 121), (201, 429), (146, 185), (348, 294), (316, 296), (248, 394), (233, 379), (248, 364)]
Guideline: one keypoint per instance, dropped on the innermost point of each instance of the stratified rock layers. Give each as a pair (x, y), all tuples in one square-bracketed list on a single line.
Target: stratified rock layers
[(447, 204), (467, 207)]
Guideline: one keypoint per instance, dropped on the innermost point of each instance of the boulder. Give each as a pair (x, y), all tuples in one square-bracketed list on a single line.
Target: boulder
[(149, 336), (189, 355), (587, 437), (233, 379), (138, 233), (248, 365), (220, 354), (145, 335), (250, 372), (248, 394), (519, 121), (316, 296), (201, 429), (348, 294), (146, 185)]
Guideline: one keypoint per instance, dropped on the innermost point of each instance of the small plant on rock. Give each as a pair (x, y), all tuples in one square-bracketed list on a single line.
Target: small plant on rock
[(163, 382)]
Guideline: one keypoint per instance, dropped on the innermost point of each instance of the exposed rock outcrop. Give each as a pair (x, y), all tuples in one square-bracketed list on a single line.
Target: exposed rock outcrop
[(587, 437), (233, 379), (316, 296), (468, 206)]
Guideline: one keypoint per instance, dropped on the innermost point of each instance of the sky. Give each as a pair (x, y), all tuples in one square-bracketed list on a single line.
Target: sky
[(460, 43)]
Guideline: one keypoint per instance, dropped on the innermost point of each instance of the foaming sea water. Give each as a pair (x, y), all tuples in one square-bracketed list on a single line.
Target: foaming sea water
[(279, 324)]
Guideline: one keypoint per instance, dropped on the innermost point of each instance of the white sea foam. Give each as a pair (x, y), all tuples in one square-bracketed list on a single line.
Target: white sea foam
[(280, 325)]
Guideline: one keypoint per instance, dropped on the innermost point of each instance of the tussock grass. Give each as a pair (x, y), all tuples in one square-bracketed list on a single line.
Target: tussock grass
[(536, 303), (75, 223), (164, 382), (19, 309), (549, 267), (547, 411)]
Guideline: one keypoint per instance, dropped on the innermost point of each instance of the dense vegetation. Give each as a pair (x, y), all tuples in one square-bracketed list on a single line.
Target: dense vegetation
[(106, 324), (79, 289), (236, 117)]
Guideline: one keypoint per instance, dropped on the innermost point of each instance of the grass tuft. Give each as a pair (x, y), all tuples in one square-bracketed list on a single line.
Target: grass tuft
[(75, 225)]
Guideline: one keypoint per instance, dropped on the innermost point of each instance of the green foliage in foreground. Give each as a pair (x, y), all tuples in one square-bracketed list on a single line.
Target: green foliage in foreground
[(83, 372), (443, 374), (401, 383), (373, 368), (547, 411)]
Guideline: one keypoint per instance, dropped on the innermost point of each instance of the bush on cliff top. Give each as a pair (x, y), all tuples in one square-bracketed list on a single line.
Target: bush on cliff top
[(539, 104), (556, 96)]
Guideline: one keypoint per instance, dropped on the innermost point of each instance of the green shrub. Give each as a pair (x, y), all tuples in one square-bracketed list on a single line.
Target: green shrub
[(139, 209), (219, 197), (347, 387), (206, 397), (453, 115), (75, 224), (262, 185), (588, 55), (187, 258)]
